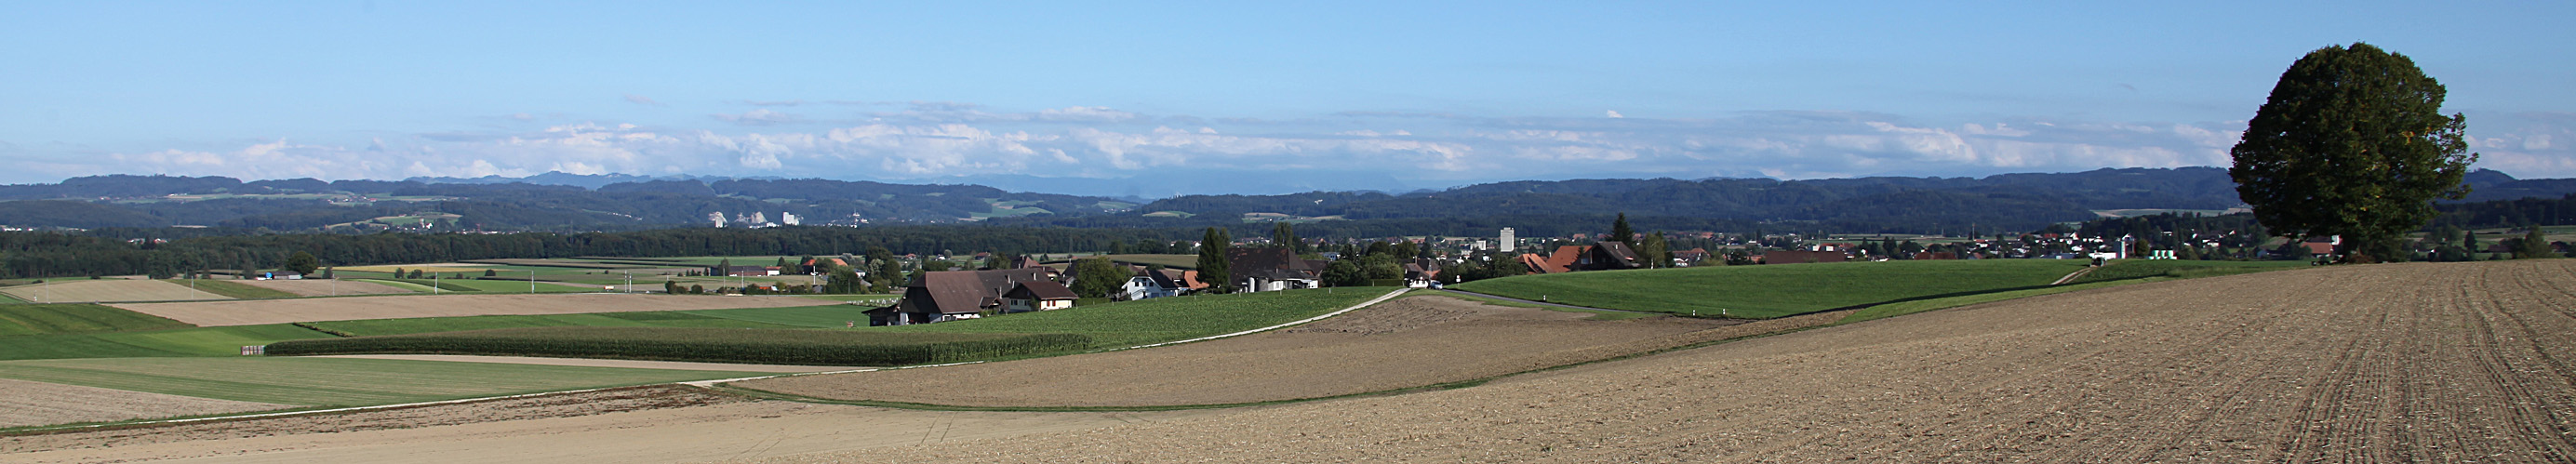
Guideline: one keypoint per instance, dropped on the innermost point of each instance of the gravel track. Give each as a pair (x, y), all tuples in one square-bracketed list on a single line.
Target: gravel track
[(2442, 362)]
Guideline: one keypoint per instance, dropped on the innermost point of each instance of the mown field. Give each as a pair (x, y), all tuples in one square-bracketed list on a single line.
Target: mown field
[(1163, 319), (186, 342), (47, 319), (1777, 290), (334, 381)]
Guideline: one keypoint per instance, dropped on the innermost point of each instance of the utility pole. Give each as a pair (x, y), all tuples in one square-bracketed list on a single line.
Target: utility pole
[(433, 284), (532, 281)]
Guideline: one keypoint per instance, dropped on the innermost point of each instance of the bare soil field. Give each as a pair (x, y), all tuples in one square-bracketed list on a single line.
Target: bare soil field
[(323, 287), (650, 424), (625, 363), (221, 313), (24, 403), (2441, 362), (81, 291), (1403, 343)]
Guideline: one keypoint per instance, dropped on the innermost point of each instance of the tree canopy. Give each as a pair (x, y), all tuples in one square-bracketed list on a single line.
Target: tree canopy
[(2351, 142), (1212, 260)]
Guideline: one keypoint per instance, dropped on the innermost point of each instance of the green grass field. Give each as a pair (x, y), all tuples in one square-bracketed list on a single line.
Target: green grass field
[(396, 284), (825, 316), (49, 319), (1916, 306), (233, 289), (1777, 290), (2142, 268), (203, 341), (1162, 319), (6, 299), (333, 381)]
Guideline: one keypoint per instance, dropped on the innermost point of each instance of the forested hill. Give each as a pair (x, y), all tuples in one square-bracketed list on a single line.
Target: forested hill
[(1869, 204)]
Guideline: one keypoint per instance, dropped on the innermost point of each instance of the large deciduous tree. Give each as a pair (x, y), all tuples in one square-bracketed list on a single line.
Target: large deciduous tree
[(1096, 277), (303, 263), (2352, 142)]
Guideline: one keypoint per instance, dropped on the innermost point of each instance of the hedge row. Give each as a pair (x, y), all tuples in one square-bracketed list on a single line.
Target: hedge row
[(762, 346)]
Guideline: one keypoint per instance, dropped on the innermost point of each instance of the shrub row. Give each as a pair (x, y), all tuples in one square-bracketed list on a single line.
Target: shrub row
[(763, 346)]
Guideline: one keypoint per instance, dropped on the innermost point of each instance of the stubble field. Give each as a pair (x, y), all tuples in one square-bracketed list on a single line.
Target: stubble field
[(324, 287), (108, 290)]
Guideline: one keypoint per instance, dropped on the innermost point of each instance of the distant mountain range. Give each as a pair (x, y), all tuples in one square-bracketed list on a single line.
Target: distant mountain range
[(572, 202)]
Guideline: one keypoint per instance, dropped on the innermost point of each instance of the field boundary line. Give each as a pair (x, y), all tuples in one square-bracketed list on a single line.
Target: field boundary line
[(265, 415)]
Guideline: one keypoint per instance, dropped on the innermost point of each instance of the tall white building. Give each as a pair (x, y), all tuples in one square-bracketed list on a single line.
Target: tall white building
[(717, 217), (1507, 240), (758, 218), (789, 218)]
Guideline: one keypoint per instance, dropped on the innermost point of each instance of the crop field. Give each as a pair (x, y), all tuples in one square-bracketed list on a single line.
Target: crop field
[(6, 299), (324, 287), (204, 341), (333, 381), (2414, 362), (1402, 343), (1777, 290), (2141, 268), (24, 403), (240, 289), (222, 313), (371, 327), (761, 346), (69, 291), (1161, 319), (49, 319)]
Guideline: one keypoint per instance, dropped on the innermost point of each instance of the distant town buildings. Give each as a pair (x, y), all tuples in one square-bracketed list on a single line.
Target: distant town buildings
[(1507, 240), (789, 218)]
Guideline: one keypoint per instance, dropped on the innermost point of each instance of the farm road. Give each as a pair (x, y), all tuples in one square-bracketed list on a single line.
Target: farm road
[(2412, 362)]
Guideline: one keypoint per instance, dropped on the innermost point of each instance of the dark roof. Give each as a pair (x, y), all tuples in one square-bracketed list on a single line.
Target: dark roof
[(1040, 290), (958, 292), (1618, 255), (1266, 263), (1165, 278)]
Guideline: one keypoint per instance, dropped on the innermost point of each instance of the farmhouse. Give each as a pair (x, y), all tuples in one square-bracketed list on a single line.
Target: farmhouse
[(952, 295), (1270, 269), (1037, 295), (1152, 284), (751, 271), (279, 275)]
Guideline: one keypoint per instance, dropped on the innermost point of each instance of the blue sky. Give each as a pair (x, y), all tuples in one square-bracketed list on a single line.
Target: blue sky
[(1259, 97)]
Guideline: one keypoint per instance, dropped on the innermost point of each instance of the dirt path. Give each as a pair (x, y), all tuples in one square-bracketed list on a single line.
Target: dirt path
[(625, 363), (1403, 343), (661, 424), (2445, 362), (220, 313), (24, 403)]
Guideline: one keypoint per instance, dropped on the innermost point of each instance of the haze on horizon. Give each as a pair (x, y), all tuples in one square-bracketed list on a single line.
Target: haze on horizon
[(1218, 98)]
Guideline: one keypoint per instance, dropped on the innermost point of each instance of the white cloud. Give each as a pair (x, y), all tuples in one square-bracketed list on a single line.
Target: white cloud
[(1614, 114), (940, 139), (641, 100)]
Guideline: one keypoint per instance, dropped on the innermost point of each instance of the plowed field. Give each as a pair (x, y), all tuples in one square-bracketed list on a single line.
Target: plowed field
[(2439, 362), (1404, 343), (219, 313), (24, 403)]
